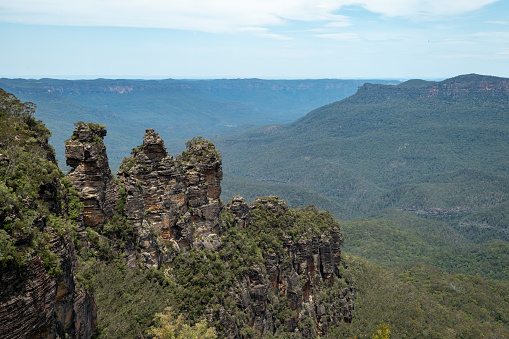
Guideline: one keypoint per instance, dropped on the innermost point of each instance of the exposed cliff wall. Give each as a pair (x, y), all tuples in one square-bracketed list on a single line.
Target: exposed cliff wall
[(36, 305), (472, 84), (460, 86), (38, 264)]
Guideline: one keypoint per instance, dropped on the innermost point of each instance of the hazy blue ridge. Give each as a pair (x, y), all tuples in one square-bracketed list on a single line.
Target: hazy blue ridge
[(178, 109)]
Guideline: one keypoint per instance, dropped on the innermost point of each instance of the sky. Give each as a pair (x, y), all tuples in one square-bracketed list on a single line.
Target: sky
[(270, 39)]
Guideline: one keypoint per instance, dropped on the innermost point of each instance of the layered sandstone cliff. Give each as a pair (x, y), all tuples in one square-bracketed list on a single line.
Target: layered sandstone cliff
[(35, 305), (91, 174), (39, 296)]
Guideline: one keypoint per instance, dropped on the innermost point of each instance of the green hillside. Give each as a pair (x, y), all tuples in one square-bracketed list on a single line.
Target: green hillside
[(422, 302), (359, 151)]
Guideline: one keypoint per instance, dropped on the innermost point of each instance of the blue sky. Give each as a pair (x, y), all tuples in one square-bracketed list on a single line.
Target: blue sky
[(270, 39)]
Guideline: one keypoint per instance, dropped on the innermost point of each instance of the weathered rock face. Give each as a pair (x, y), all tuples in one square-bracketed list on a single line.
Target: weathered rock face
[(35, 305), (91, 174), (172, 201), (313, 266), (240, 210), (38, 263)]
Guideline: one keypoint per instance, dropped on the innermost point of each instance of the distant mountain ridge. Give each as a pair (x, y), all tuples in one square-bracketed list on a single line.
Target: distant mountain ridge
[(424, 165), (180, 109), (459, 86)]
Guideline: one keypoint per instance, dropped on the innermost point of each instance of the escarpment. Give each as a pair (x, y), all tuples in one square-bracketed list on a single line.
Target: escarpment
[(39, 292), (277, 270)]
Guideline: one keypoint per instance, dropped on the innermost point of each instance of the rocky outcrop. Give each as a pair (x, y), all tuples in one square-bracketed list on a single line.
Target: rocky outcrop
[(302, 274), (172, 201), (240, 210), (168, 201), (91, 174)]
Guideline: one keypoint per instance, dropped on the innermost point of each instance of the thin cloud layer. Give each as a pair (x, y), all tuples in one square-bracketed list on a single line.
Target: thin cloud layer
[(216, 16), (423, 8), (339, 36)]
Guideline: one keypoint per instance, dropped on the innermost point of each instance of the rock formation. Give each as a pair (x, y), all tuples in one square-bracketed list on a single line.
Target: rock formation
[(314, 264), (91, 174), (173, 205), (172, 201), (168, 201)]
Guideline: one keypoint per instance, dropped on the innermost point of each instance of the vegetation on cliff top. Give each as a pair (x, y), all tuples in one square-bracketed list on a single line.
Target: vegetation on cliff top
[(32, 205), (416, 301), (199, 150)]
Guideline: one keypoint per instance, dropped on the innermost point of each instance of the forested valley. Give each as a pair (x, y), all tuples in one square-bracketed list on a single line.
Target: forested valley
[(384, 214)]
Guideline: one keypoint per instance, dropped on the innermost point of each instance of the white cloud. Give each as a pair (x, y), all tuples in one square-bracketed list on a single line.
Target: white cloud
[(199, 15), (339, 24), (456, 42), (498, 22), (264, 32), (339, 36), (423, 8), (215, 15), (491, 34)]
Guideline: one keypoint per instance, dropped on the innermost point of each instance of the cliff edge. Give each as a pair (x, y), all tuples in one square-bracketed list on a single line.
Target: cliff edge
[(39, 293)]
